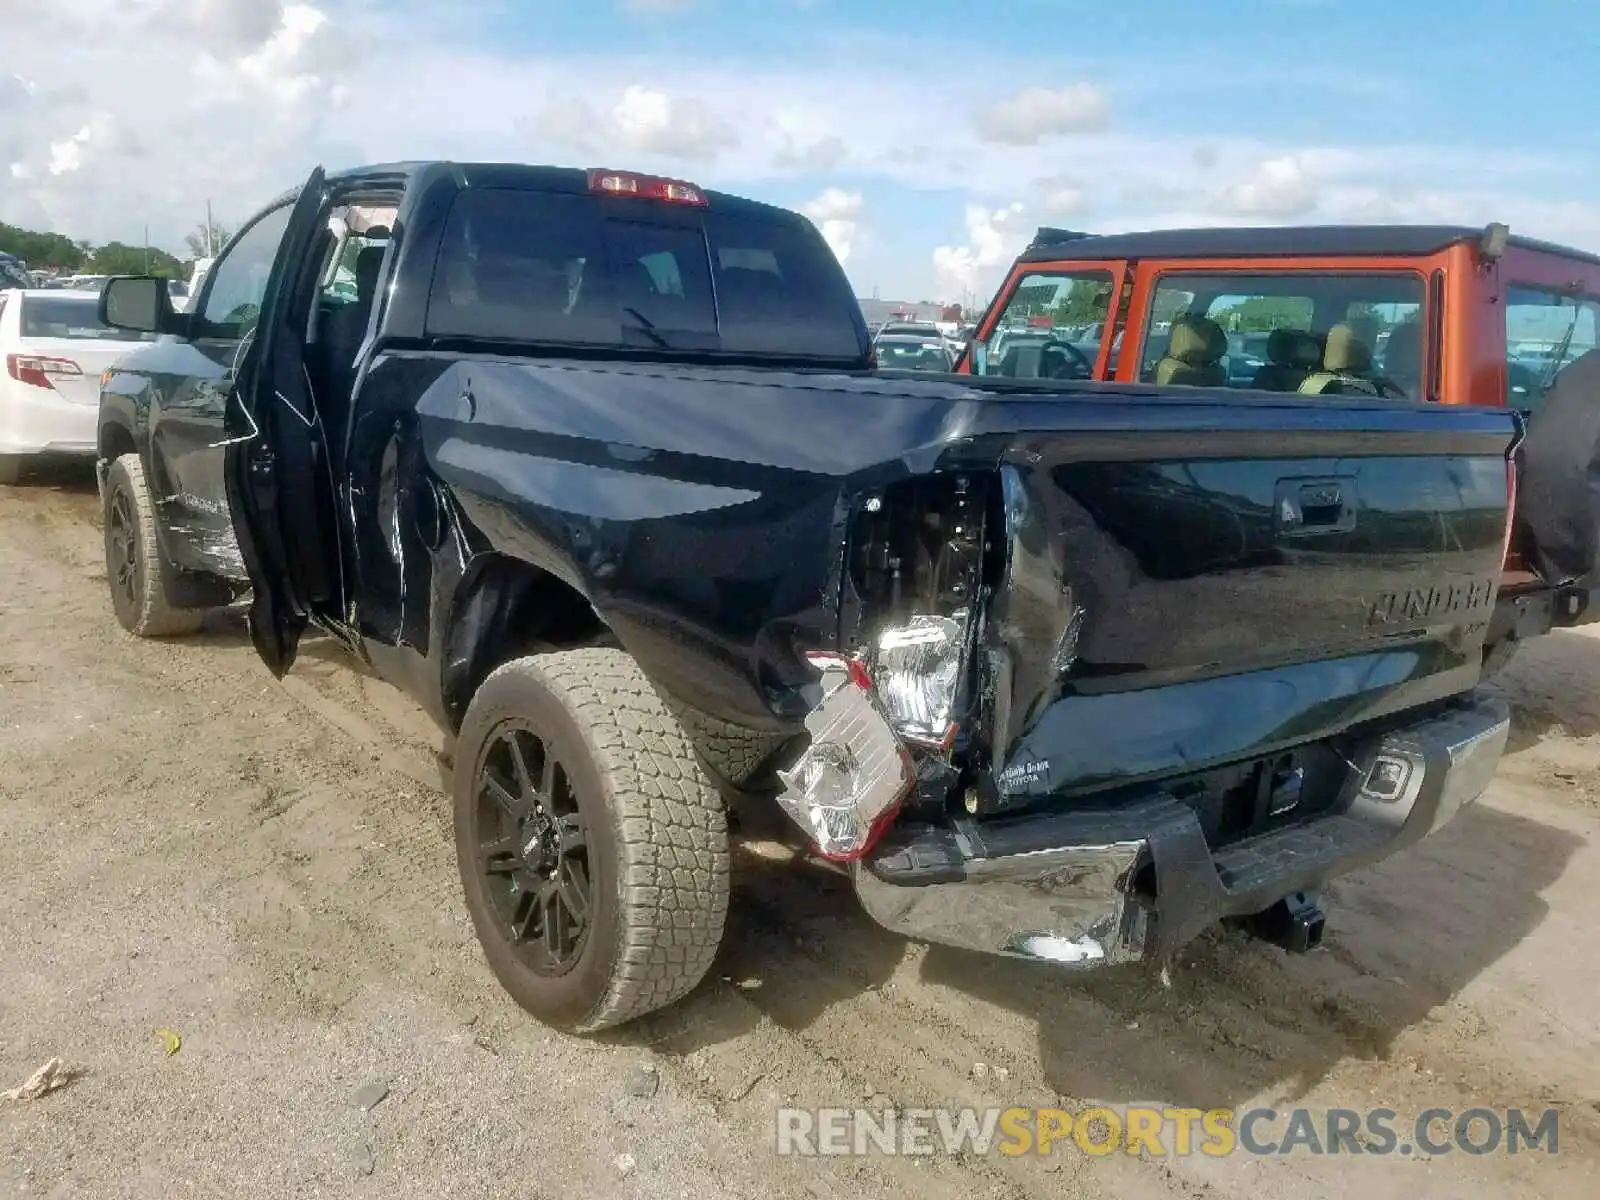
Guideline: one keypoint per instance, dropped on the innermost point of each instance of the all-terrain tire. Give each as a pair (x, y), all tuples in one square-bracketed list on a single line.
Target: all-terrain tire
[(657, 838), (733, 752), (136, 570)]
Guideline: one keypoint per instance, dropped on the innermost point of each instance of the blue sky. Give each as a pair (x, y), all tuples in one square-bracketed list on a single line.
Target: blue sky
[(927, 139)]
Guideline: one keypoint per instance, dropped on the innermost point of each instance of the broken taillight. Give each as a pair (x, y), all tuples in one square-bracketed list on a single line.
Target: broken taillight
[(847, 786), (645, 187), (916, 669), (39, 370)]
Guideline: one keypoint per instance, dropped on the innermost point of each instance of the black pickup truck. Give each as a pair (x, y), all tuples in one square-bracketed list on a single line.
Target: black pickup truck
[(598, 467)]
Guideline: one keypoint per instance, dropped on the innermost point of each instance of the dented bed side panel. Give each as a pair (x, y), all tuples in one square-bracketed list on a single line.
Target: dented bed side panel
[(705, 513)]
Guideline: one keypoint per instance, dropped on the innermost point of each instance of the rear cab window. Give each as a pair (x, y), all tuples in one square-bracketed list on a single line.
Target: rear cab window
[(575, 270), (1050, 328), (1312, 333)]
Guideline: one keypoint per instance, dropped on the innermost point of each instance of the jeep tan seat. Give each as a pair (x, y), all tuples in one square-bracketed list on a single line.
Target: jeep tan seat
[(1194, 354), (1346, 365), (1402, 359), (1292, 354)]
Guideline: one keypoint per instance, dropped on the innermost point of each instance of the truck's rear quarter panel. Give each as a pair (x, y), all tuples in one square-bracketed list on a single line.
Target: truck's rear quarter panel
[(1154, 609)]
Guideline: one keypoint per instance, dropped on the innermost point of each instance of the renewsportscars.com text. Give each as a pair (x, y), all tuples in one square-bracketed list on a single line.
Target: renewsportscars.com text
[(1163, 1132)]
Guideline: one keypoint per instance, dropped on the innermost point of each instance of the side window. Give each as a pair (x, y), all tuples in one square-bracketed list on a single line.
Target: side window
[(1545, 333), (1305, 332), (1050, 329), (239, 279)]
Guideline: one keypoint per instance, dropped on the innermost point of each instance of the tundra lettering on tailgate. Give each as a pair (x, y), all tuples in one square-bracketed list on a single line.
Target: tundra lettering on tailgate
[(1441, 600)]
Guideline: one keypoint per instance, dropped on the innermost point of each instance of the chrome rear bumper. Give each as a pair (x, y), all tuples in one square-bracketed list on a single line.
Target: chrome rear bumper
[(1059, 888)]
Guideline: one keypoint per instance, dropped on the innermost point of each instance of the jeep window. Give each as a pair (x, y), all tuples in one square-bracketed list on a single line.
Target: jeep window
[(1050, 328), (1545, 333), (1294, 332), (238, 280), (571, 270)]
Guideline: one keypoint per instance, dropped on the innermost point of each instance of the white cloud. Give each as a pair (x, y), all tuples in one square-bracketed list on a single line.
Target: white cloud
[(229, 102), (1277, 187), (993, 237), (821, 156), (643, 121), (1059, 195), (837, 213), (1030, 116), (235, 100), (66, 156), (236, 25)]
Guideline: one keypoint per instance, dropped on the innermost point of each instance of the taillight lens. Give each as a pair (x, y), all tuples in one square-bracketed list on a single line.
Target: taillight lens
[(848, 785), (916, 670), (40, 370), (646, 187)]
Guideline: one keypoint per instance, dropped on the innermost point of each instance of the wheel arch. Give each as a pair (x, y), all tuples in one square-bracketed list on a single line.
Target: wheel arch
[(506, 608)]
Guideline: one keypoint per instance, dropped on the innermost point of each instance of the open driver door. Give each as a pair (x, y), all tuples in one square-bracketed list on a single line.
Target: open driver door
[(279, 481)]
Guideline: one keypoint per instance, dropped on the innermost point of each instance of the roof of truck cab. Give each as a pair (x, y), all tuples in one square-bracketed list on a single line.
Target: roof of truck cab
[(1297, 241), (524, 175)]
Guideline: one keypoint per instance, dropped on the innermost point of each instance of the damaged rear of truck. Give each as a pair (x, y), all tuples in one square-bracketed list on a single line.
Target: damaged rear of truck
[(1064, 673), (605, 479), (1112, 667)]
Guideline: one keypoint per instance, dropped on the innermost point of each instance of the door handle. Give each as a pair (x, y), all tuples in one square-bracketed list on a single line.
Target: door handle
[(1311, 506)]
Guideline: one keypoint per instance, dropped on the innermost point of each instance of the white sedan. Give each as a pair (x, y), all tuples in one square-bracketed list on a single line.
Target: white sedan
[(54, 349)]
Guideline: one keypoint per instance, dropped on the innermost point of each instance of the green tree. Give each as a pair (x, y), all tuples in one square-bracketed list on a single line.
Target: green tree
[(1263, 314), (116, 258), (41, 251), (1084, 304)]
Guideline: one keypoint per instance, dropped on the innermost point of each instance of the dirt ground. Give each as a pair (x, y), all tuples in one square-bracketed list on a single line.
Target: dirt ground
[(267, 869)]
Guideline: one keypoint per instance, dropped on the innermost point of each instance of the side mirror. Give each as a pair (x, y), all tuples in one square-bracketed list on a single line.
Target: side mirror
[(140, 303)]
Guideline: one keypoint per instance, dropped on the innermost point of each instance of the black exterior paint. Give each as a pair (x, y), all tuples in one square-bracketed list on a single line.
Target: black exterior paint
[(1149, 611)]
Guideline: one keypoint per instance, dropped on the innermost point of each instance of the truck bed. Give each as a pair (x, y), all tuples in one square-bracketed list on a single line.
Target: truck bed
[(1174, 578)]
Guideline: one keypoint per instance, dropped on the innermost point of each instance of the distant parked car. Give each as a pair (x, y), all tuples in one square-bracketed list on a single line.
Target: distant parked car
[(55, 349), (921, 329), (14, 272), (897, 352)]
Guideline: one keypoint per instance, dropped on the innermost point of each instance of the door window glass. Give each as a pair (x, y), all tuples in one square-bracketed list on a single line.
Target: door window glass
[(1545, 333), (239, 279), (1050, 329), (1306, 331)]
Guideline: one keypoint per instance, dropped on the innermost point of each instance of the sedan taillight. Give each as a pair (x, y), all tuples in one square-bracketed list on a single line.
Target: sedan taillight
[(38, 370)]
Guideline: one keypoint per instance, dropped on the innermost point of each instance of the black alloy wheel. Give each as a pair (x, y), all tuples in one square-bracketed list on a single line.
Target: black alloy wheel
[(533, 849), (122, 550)]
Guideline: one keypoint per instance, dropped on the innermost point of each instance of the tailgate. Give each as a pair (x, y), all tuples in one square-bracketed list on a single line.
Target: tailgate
[(1218, 581)]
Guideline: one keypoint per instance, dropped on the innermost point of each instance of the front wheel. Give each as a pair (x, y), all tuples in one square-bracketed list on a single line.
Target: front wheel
[(136, 570), (593, 850)]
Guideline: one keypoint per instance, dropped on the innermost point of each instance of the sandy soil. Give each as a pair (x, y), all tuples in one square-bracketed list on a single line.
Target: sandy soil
[(267, 869)]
